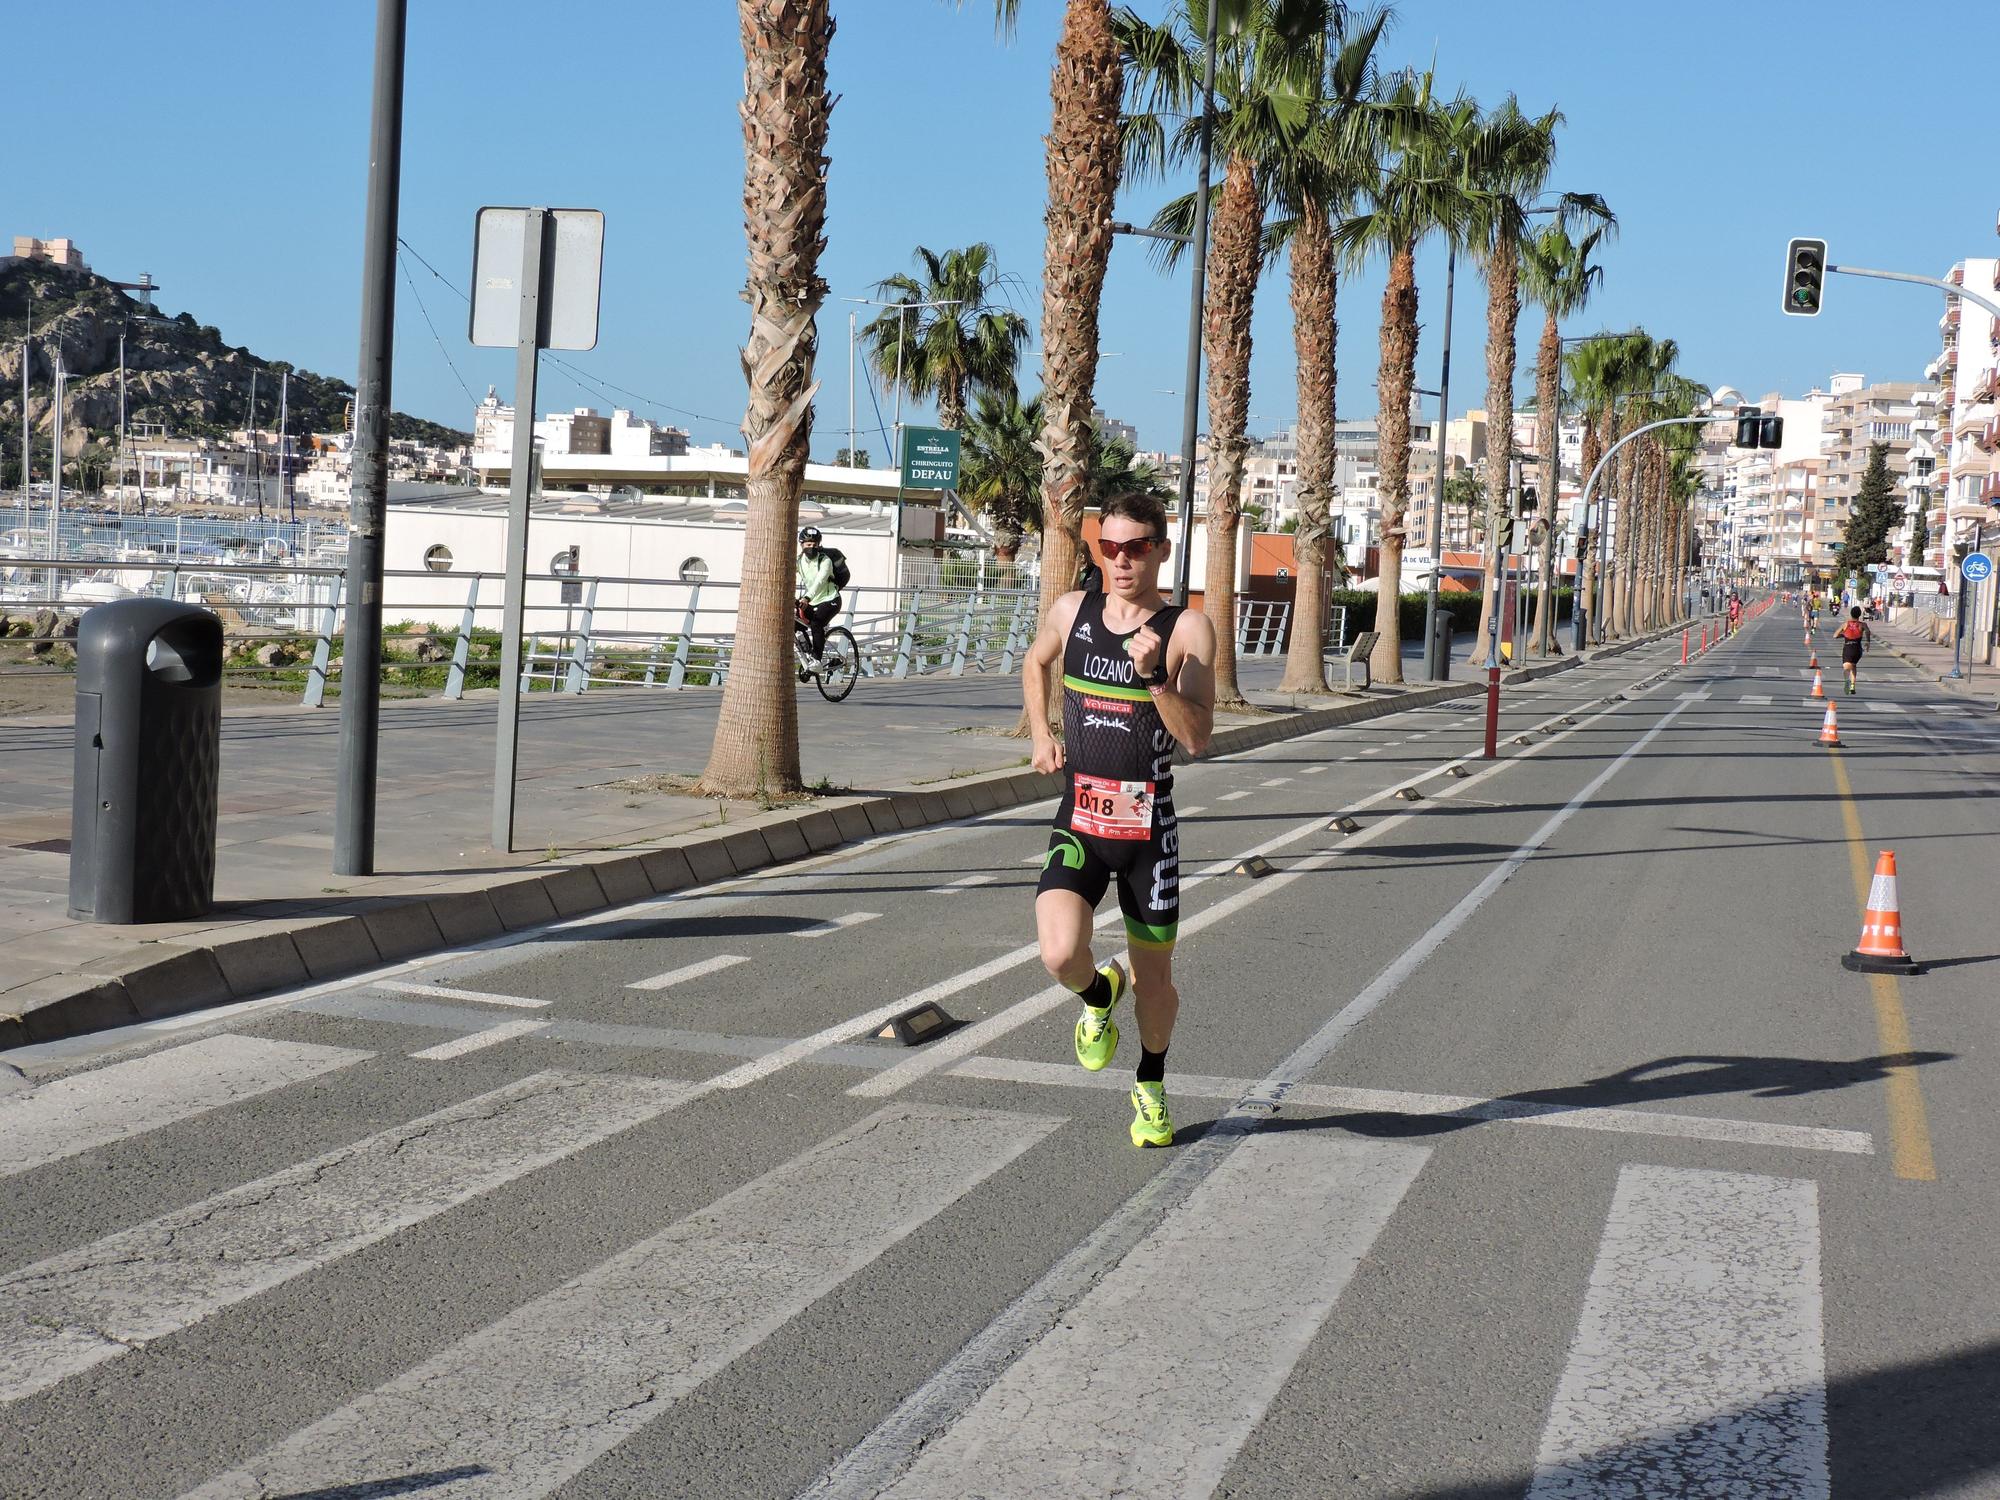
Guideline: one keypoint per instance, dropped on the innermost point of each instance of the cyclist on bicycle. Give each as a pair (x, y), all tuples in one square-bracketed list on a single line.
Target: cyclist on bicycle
[(822, 575)]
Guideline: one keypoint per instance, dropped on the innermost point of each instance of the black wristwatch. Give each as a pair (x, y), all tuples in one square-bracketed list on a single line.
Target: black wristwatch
[(1157, 677)]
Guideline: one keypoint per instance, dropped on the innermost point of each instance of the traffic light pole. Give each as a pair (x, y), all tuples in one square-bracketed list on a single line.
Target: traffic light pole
[(1944, 286), (1590, 484)]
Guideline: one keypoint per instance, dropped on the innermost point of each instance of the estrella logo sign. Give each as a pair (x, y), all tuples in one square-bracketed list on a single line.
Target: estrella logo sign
[(1068, 848)]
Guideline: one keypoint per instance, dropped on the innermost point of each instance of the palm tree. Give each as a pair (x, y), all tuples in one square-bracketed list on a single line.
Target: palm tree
[(785, 111), (1083, 157), (1598, 371), (1506, 157), (944, 335), (1266, 79), (1557, 272), (1001, 476), (1314, 186), (1408, 196)]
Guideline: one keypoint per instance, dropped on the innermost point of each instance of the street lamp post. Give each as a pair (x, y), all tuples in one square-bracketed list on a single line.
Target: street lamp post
[(1435, 665)]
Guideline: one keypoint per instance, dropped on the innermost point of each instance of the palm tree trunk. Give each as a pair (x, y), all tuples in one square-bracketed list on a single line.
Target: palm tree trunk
[(785, 110), (1503, 312), (1235, 258), (1393, 385), (1086, 89), (1588, 585), (1315, 286), (1628, 539), (1548, 371)]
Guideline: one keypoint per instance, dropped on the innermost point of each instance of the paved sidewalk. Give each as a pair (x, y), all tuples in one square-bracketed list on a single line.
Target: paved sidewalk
[(894, 755), (1934, 659)]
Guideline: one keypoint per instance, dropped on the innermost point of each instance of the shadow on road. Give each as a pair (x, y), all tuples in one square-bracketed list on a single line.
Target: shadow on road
[(1919, 1428), (1686, 1077)]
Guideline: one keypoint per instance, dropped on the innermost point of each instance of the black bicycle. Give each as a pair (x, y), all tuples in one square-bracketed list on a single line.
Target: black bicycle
[(836, 668)]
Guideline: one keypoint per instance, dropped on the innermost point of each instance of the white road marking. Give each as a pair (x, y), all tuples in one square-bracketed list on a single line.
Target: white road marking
[(898, 1440), (1277, 781), (1694, 697), (530, 1401), (102, 1300), (445, 992), (691, 971), (67, 1116), (1236, 796), (1374, 750), (1699, 1362), (852, 919), (1769, 672), (1618, 1120), (1761, 700), (1877, 706), (961, 885), (1314, 770), (961, 1043), (1189, 812), (478, 1041), (1216, 1308)]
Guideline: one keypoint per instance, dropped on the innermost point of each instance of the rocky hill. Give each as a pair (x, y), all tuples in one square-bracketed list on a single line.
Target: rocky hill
[(178, 373)]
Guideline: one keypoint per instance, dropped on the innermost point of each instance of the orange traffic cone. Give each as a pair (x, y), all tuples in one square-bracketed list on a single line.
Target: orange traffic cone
[(1829, 732), (1881, 950), (1814, 663), (1818, 691)]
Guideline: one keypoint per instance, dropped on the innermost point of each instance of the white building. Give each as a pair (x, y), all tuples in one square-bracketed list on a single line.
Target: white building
[(1965, 483)]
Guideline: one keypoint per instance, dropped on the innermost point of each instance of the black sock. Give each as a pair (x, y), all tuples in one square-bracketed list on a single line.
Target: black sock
[(1152, 1065), (1097, 994)]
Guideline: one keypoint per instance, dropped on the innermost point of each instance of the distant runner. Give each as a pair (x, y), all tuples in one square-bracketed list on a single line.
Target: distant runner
[(1138, 684), (1854, 636)]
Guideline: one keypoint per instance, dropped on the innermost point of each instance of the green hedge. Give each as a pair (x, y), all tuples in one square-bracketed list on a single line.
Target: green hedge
[(1463, 609)]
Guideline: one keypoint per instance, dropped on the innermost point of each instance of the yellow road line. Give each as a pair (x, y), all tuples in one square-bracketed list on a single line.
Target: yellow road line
[(1909, 1124)]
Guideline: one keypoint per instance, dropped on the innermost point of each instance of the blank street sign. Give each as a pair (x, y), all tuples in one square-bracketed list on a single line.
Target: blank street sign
[(570, 277)]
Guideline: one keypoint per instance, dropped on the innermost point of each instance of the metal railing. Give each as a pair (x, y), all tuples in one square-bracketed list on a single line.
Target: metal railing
[(580, 633)]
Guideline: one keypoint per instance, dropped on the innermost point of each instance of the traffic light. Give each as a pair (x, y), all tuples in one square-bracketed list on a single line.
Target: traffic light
[(1756, 430), (1805, 274)]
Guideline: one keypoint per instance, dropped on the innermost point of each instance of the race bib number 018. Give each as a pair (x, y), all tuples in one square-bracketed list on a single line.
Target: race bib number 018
[(1112, 809)]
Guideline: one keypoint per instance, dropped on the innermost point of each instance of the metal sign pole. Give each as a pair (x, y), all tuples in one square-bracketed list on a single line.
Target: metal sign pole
[(519, 476)]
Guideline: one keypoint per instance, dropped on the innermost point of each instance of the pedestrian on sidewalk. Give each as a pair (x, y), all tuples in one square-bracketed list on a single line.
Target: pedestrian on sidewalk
[(1138, 684), (1854, 636)]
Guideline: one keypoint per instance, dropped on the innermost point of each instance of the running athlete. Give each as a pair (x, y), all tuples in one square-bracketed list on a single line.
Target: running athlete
[(1854, 634), (1137, 686)]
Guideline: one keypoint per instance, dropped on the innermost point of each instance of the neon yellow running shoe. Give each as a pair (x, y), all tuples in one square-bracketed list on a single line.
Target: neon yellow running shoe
[(1151, 1124), (1097, 1040)]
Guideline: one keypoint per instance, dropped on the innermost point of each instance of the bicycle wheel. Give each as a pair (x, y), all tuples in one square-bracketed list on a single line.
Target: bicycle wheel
[(801, 651), (839, 666)]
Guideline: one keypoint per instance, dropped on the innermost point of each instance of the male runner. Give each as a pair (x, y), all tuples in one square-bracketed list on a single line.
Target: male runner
[(1137, 685)]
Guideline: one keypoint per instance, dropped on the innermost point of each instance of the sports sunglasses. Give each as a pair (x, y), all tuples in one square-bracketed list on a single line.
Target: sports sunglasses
[(1139, 548)]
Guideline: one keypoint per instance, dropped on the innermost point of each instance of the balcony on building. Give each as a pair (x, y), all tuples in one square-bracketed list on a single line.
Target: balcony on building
[(1949, 322)]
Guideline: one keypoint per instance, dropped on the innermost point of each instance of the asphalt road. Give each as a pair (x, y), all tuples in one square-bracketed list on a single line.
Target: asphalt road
[(1532, 1141)]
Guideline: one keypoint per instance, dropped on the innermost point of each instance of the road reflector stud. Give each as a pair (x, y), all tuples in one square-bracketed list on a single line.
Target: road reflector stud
[(1569, 718), (922, 1023), (1522, 739), (1881, 949), (1344, 824), (1409, 794), (1829, 731), (1256, 867), (1458, 773)]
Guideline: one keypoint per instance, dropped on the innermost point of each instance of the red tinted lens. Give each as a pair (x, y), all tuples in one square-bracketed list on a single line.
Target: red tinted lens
[(1139, 547)]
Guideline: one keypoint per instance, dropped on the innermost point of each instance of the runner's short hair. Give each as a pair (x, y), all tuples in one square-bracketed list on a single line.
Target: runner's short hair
[(1137, 505)]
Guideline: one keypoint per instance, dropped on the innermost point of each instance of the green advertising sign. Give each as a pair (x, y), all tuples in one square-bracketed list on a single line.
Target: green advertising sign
[(930, 459)]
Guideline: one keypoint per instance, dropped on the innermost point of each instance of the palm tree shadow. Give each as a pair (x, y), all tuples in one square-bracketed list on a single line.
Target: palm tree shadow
[(1898, 1432), (1683, 1077)]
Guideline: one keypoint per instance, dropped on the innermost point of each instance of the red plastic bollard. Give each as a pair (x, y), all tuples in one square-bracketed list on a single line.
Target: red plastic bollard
[(1684, 647)]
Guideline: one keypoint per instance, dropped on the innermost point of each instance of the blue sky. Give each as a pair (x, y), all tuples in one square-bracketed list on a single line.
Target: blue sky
[(222, 146)]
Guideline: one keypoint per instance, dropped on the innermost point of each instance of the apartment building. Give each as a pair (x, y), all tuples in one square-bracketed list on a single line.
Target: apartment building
[(1965, 480)]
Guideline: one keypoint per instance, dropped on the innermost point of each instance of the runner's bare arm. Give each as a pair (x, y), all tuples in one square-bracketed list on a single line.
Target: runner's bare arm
[(1187, 700), (1044, 656)]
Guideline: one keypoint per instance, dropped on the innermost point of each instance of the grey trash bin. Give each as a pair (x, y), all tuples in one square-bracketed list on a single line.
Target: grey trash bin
[(148, 756)]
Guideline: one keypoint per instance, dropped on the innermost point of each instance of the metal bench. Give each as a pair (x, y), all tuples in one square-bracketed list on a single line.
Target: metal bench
[(1357, 656)]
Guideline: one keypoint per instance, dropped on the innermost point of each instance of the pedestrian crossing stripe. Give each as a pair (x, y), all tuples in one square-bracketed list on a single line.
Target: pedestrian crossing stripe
[(540, 1395)]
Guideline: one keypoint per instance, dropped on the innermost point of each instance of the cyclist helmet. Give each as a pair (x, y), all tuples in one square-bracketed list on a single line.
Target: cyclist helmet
[(809, 534)]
